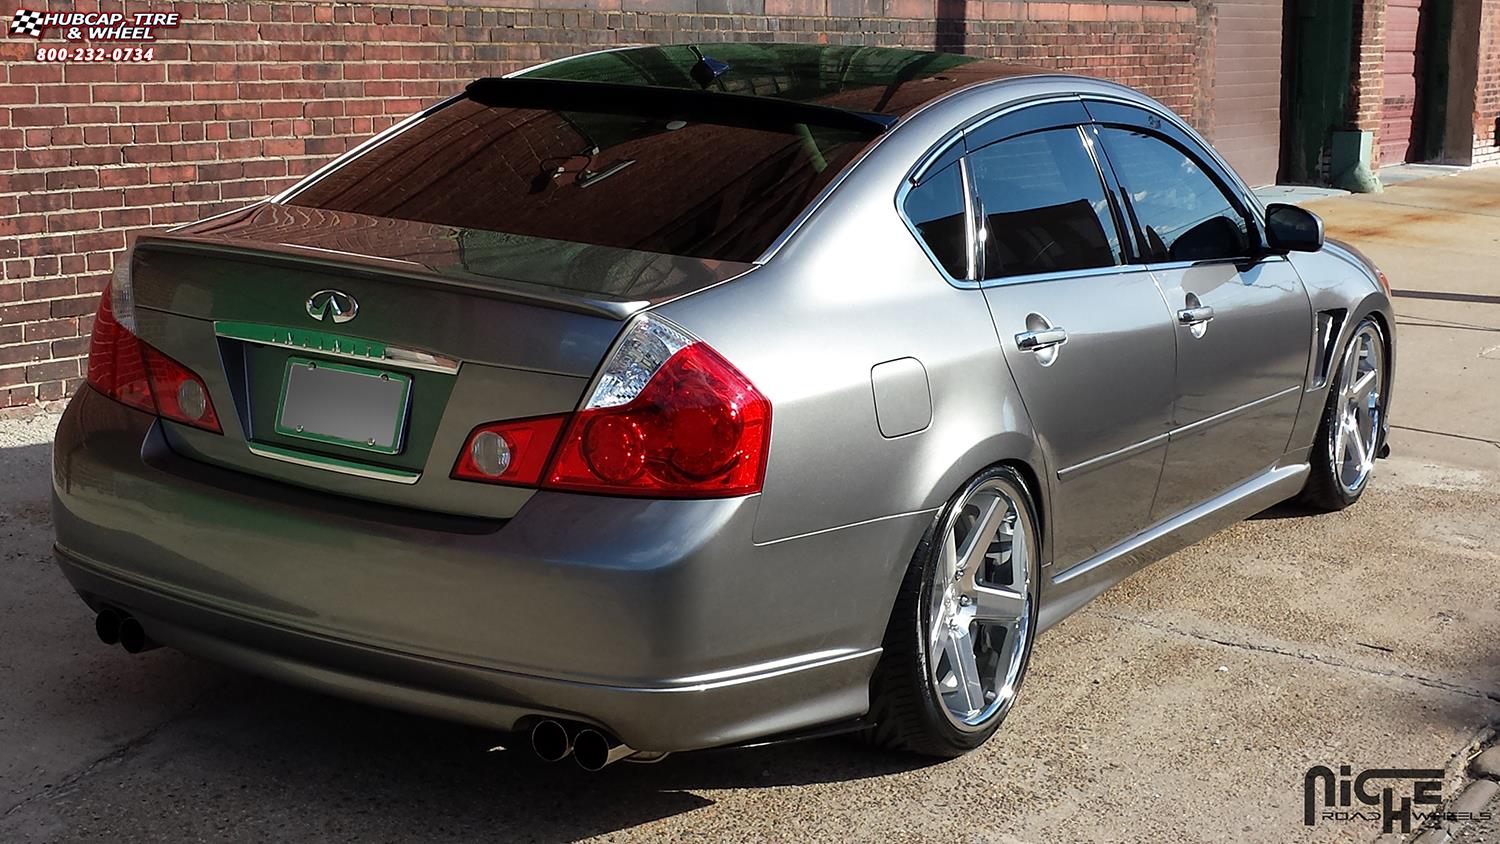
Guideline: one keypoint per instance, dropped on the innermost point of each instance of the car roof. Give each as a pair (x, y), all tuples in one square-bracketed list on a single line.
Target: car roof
[(879, 80)]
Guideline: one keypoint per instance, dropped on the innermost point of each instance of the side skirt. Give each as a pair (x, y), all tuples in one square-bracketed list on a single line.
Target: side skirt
[(1071, 589)]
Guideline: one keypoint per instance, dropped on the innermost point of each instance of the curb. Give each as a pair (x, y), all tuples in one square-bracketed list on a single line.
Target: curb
[(1486, 764), (1482, 788)]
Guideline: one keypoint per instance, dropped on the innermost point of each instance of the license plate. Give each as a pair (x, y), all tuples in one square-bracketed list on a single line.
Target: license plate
[(338, 404)]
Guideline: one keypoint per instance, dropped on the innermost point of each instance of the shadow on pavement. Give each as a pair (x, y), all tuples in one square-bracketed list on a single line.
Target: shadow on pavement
[(1289, 509), (325, 764), (1440, 296)]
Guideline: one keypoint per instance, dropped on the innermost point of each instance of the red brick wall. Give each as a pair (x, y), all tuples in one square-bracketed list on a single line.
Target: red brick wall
[(245, 97), (1487, 92), (1366, 104)]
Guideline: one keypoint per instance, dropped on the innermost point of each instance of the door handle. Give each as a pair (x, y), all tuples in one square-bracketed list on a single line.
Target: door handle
[(1045, 338), (1195, 316)]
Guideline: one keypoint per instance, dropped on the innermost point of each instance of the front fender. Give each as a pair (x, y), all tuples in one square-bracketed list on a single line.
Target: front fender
[(1339, 281)]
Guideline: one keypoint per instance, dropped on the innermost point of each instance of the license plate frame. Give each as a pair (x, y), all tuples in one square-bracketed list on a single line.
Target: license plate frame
[(309, 385)]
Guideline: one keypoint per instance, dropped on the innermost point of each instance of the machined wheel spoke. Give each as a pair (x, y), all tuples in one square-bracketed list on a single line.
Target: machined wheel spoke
[(1360, 389), (995, 605), (965, 668), (1357, 439), (938, 630), (1369, 417), (1007, 651), (977, 543), (1348, 439), (948, 559)]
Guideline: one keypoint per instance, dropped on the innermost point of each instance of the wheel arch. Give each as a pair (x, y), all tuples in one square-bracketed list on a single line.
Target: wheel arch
[(1016, 449), (1387, 324)]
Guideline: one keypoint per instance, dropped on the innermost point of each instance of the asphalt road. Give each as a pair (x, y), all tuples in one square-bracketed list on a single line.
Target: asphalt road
[(1187, 704)]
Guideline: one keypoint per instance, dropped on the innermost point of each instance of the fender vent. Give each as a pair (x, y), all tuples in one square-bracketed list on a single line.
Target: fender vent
[(1325, 342)]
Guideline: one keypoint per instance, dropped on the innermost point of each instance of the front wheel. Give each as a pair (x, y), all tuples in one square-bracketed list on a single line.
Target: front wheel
[(1349, 436), (960, 636)]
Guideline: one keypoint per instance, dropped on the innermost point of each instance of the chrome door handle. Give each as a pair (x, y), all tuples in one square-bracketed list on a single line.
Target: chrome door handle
[(1045, 338), (1195, 316)]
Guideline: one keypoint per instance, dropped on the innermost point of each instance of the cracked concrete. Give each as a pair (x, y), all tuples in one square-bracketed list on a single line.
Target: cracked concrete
[(1310, 656), (1186, 704)]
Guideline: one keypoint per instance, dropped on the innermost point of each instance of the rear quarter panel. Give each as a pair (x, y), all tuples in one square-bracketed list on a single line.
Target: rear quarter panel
[(850, 290)]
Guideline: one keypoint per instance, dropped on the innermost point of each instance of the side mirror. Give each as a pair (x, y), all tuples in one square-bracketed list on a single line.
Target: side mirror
[(1293, 229)]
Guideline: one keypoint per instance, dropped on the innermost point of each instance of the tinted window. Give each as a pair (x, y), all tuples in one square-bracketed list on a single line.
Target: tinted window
[(1045, 209), (639, 181), (1186, 216), (936, 208)]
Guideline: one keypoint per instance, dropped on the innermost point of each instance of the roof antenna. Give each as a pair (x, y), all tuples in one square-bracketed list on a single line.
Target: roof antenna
[(705, 70)]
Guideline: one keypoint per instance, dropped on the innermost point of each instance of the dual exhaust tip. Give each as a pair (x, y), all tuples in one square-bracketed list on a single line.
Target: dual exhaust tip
[(593, 750), (116, 627)]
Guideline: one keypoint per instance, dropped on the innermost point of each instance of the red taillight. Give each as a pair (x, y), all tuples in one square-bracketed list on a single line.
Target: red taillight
[(668, 418), (698, 429), (127, 369), (513, 452), (117, 366)]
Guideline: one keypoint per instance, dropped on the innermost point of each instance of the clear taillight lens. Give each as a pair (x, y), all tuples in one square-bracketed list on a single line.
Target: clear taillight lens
[(121, 292), (670, 418), (648, 345), (129, 370)]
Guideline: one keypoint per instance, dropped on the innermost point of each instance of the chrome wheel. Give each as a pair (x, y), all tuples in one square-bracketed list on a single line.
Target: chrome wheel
[(1359, 408), (980, 606)]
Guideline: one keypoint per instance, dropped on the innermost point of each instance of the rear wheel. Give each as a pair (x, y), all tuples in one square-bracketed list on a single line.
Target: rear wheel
[(960, 635), (1349, 436)]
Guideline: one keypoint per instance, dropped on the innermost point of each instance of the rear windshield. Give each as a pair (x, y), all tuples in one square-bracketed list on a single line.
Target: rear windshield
[(645, 180)]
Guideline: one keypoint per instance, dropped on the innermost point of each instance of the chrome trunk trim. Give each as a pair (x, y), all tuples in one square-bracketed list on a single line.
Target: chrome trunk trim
[(337, 346), (332, 464)]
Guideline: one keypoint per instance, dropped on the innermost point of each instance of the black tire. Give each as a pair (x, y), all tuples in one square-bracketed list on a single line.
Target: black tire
[(1324, 491), (907, 713)]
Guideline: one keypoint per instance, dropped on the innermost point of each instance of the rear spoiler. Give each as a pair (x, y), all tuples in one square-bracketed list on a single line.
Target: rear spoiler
[(394, 269), (649, 100)]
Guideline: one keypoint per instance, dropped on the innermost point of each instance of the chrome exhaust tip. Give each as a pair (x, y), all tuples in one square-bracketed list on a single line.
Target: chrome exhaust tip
[(550, 741), (133, 636), (594, 751), (107, 626)]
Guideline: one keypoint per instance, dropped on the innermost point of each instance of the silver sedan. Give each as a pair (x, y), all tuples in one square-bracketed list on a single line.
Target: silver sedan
[(669, 398)]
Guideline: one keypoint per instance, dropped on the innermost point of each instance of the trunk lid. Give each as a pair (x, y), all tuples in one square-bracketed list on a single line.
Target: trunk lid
[(480, 326)]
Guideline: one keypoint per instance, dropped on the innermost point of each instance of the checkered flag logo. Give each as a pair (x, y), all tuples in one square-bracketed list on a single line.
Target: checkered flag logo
[(27, 24)]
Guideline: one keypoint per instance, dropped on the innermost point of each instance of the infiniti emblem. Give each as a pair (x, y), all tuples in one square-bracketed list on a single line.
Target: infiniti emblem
[(335, 305)]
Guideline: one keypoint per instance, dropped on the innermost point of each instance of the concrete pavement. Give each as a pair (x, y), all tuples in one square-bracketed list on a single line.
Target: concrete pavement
[(1186, 704)]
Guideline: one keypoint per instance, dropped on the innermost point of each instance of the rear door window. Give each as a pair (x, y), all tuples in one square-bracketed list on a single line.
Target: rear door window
[(612, 177), (1044, 206)]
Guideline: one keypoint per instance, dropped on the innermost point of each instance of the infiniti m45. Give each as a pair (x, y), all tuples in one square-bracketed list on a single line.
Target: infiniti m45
[(669, 398)]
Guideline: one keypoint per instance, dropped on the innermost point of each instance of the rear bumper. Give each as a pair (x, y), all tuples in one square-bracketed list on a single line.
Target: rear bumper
[(660, 621), (654, 718)]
